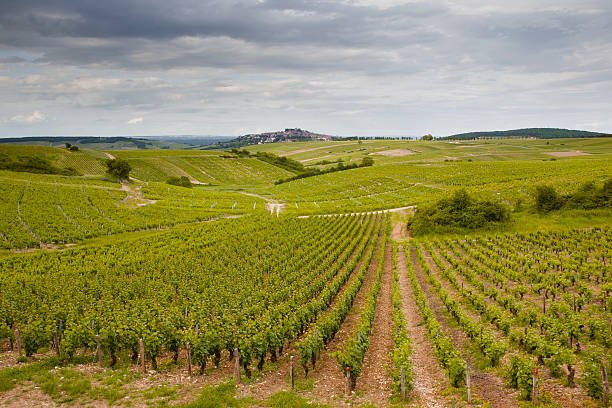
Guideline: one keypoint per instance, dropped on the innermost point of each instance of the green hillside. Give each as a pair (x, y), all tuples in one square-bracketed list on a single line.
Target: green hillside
[(537, 133), (308, 276), (98, 142), (204, 167)]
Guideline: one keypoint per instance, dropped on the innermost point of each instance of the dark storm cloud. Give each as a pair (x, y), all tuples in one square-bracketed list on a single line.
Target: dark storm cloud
[(268, 22), (316, 61), (66, 33)]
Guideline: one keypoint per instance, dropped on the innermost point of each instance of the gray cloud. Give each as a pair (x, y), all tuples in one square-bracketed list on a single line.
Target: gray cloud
[(345, 67)]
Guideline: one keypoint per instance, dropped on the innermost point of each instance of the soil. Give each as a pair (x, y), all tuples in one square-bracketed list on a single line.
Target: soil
[(278, 380), (375, 380), (485, 385), (396, 152), (400, 232), (329, 380), (567, 397), (566, 154), (135, 196), (315, 158), (26, 396), (429, 380)]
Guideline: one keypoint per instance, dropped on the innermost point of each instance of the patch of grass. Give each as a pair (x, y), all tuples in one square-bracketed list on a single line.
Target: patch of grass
[(49, 384), (117, 377), (11, 376), (303, 384), (65, 386), (368, 404), (286, 399), (163, 391), (222, 395), (110, 393)]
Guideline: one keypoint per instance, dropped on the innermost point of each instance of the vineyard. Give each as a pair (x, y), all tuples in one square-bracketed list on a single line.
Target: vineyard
[(242, 293)]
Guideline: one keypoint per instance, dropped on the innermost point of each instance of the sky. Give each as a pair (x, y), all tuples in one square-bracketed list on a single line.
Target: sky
[(345, 67)]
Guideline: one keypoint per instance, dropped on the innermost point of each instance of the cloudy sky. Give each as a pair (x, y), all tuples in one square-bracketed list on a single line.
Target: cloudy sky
[(342, 67)]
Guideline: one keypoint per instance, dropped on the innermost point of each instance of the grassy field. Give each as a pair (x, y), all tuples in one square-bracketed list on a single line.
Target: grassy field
[(239, 262)]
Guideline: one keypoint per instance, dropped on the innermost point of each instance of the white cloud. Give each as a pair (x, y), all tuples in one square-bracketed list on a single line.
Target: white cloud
[(33, 118), (135, 121)]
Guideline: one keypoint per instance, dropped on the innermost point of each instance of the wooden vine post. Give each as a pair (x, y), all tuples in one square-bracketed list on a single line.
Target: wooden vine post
[(98, 349), (536, 390), (468, 384), (142, 356), (605, 392), (189, 359), (291, 375), (348, 382), (237, 366), (18, 343), (56, 342), (403, 384)]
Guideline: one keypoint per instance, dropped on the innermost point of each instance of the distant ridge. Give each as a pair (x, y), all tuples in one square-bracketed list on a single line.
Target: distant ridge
[(287, 135), (99, 142), (536, 133)]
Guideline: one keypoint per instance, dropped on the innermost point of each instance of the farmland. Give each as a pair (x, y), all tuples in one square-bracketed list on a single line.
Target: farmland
[(242, 292)]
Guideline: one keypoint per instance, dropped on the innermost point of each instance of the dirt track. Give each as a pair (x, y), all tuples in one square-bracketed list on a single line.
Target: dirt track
[(375, 379)]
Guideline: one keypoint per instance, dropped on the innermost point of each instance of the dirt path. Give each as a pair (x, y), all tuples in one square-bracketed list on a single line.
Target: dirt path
[(329, 382), (390, 210), (110, 156), (429, 380), (277, 380), (135, 196), (375, 380), (400, 232), (567, 397), (487, 386)]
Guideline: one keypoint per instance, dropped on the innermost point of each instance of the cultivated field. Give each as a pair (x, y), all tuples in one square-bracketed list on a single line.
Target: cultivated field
[(240, 292)]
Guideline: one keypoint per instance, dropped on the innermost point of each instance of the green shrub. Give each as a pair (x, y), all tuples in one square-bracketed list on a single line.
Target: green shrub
[(458, 211), (118, 168), (182, 181), (547, 199), (588, 196)]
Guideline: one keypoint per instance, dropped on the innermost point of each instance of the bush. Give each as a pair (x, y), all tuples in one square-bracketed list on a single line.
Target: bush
[(458, 211), (547, 198), (588, 196), (118, 169), (182, 181)]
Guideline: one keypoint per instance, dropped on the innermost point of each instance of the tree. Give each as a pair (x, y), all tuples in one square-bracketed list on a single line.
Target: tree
[(118, 168), (427, 137)]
